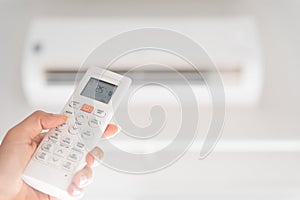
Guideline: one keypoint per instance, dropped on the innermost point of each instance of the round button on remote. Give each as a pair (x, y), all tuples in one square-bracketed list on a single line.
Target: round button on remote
[(81, 118), (74, 129)]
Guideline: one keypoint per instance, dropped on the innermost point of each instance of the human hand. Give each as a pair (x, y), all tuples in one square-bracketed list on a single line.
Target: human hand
[(18, 147)]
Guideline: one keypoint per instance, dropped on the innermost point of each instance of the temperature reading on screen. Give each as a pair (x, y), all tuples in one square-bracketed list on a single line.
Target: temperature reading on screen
[(99, 90)]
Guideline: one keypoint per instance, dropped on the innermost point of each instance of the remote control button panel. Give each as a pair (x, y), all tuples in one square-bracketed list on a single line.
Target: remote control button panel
[(65, 145)]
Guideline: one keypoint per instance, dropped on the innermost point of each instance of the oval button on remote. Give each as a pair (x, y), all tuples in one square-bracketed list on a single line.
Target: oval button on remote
[(94, 123), (74, 104), (87, 134), (99, 113), (63, 126)]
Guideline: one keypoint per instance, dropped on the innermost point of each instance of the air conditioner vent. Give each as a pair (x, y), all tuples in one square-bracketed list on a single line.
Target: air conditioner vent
[(68, 76)]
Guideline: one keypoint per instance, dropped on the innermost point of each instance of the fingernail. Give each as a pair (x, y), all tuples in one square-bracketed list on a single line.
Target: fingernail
[(76, 192), (95, 164), (97, 153), (113, 135), (66, 116), (118, 130), (83, 180)]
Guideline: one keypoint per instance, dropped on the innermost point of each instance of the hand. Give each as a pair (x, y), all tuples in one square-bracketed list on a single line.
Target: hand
[(18, 147)]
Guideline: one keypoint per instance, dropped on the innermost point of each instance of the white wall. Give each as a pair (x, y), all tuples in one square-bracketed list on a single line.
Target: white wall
[(276, 116)]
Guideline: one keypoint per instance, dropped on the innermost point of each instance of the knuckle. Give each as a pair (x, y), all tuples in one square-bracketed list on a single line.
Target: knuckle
[(97, 153), (38, 113), (88, 171)]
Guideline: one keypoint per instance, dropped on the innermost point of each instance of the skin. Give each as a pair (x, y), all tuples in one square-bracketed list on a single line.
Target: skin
[(19, 145)]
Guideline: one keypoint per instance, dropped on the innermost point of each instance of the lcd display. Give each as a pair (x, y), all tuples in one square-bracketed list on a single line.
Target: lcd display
[(99, 90)]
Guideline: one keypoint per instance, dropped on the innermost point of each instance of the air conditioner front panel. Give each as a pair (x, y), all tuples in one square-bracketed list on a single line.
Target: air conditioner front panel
[(57, 47)]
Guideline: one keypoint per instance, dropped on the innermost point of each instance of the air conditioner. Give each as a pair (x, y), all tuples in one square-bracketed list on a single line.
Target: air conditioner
[(56, 48)]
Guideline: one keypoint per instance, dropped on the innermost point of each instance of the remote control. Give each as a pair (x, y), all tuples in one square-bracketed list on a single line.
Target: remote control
[(63, 150)]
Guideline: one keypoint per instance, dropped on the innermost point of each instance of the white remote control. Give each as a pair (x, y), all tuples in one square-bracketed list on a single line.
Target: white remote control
[(62, 152)]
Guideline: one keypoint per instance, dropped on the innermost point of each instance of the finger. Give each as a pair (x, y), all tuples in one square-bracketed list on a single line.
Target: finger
[(82, 178), (74, 191), (110, 131), (37, 122), (93, 157), (52, 198), (37, 139)]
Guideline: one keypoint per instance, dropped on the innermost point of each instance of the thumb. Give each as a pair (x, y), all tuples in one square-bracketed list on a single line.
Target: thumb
[(36, 122)]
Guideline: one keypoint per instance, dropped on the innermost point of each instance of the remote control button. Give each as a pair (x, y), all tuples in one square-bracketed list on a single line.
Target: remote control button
[(79, 125), (48, 147), (74, 156), (55, 160), (63, 126), (69, 112), (66, 141), (73, 130), (94, 123), (67, 165), (42, 156), (79, 146), (54, 137), (81, 118), (60, 151), (87, 134), (74, 104), (66, 146), (100, 113), (87, 108)]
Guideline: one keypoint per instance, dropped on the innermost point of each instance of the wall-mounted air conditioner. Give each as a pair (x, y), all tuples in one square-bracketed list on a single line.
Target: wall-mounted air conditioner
[(56, 48)]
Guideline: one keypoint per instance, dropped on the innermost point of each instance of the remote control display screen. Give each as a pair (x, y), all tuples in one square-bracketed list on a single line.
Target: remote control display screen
[(99, 90)]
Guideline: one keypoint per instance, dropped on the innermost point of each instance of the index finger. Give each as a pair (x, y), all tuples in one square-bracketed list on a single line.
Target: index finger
[(36, 122)]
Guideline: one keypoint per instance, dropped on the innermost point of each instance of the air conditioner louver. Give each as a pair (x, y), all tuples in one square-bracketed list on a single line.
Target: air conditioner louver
[(71, 76)]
